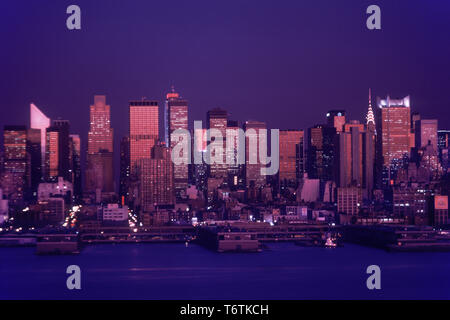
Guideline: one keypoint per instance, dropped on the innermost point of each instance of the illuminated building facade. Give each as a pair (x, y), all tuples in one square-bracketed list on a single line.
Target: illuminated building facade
[(39, 121), (156, 179), (144, 130), (52, 155), (291, 157), (58, 151), (321, 152), (253, 143), (15, 176), (218, 119), (176, 117), (100, 170), (336, 119), (235, 169), (100, 135), (394, 128)]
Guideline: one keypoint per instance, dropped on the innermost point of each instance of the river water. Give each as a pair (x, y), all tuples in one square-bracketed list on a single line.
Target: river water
[(174, 271)]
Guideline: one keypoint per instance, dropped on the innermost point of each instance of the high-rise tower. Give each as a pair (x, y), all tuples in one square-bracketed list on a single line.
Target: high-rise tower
[(100, 135), (38, 120), (100, 168), (394, 128), (144, 130), (176, 117)]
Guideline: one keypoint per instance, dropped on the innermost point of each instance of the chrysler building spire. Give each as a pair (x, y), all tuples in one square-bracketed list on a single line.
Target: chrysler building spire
[(370, 116)]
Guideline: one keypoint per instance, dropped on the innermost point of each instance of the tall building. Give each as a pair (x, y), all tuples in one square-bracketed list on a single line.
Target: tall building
[(59, 133), (144, 130), (394, 128), (52, 155), (321, 150), (15, 165), (253, 160), (100, 164), (351, 155), (39, 121), (75, 155), (336, 119), (218, 119), (124, 168), (426, 132), (99, 177), (200, 170), (156, 179), (291, 157), (176, 117), (100, 135), (35, 157), (235, 167), (355, 158)]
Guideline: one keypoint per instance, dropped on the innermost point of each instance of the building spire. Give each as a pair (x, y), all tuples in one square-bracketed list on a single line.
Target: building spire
[(370, 116)]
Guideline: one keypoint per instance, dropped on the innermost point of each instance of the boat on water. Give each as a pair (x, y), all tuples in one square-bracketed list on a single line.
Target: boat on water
[(330, 243)]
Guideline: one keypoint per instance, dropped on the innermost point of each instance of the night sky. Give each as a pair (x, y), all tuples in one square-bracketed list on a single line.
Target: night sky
[(284, 62)]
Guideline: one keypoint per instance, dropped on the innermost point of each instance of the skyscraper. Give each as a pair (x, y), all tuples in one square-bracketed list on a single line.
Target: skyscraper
[(99, 177), (426, 133), (35, 157), (100, 135), (156, 178), (38, 120), (200, 170), (14, 177), (144, 130), (75, 155), (394, 128), (58, 153), (336, 119), (253, 143), (355, 157), (176, 117), (100, 164), (291, 157), (235, 167), (217, 119), (52, 155), (321, 149), (124, 167)]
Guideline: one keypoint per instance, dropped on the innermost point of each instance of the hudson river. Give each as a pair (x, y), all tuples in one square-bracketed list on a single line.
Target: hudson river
[(174, 271)]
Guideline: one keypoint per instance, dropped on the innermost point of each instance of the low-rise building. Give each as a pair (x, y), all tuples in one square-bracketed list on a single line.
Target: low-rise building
[(114, 212)]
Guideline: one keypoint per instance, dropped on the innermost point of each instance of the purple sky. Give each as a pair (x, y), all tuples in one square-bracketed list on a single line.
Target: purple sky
[(284, 62)]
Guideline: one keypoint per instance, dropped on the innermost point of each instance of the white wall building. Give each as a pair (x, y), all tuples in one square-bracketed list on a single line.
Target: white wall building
[(114, 212), (57, 189)]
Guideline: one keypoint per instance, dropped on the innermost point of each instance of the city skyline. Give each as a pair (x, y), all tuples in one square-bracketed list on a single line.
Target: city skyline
[(211, 73), (141, 140)]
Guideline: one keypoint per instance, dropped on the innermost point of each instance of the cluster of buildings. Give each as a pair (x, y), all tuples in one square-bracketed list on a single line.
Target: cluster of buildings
[(391, 167)]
